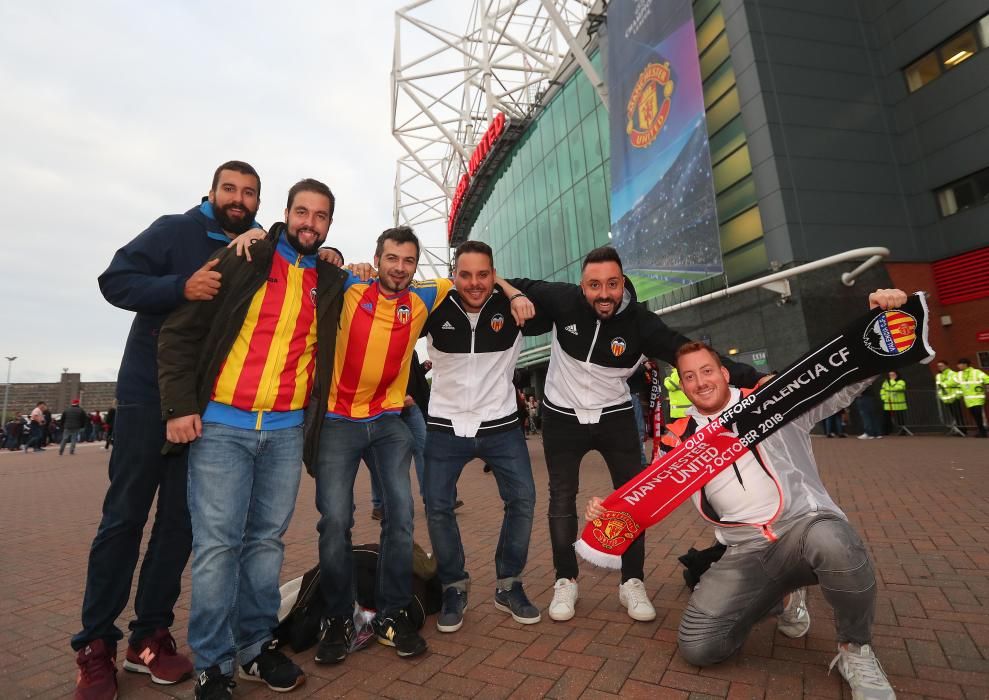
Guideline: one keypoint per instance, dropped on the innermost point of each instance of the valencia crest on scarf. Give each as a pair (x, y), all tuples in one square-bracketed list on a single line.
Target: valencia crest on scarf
[(874, 344)]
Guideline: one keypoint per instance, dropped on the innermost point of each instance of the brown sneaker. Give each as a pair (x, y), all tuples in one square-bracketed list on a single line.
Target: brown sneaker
[(97, 678), (157, 656)]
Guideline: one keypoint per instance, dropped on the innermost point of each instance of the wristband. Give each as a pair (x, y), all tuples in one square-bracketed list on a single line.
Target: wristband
[(516, 296)]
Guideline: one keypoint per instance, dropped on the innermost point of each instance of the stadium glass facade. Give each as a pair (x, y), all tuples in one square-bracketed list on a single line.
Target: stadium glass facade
[(550, 200)]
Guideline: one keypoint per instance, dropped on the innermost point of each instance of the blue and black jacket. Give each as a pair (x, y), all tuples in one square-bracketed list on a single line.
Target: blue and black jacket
[(148, 276)]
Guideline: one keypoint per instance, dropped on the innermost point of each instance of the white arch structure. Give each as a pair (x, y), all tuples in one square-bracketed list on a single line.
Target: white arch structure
[(447, 83)]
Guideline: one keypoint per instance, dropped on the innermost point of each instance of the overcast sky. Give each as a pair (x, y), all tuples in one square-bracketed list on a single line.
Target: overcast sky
[(114, 113)]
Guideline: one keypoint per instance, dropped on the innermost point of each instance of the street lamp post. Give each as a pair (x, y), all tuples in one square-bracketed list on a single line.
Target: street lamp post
[(6, 391)]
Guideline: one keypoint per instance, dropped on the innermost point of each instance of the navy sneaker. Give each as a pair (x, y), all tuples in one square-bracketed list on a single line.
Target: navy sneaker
[(399, 632), (274, 669), (213, 685), (514, 601), (336, 634), (451, 617)]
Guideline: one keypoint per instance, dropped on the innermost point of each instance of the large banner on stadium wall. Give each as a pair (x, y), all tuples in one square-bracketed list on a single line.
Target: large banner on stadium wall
[(663, 217)]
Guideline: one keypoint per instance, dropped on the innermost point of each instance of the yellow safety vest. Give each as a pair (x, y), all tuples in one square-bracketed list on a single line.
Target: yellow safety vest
[(972, 382), (948, 390), (679, 403), (894, 395)]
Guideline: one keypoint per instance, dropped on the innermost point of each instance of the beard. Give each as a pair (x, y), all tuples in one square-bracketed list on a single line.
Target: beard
[(300, 247), (232, 225)]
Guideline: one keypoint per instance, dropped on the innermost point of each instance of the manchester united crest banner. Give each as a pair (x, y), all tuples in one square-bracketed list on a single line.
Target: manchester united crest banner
[(663, 217)]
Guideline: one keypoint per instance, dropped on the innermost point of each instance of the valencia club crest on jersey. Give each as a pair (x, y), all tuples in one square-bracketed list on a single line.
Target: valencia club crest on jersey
[(403, 314), (497, 322), (618, 346), (312, 296)]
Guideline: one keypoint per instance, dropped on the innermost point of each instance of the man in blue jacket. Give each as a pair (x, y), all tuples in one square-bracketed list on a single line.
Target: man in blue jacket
[(167, 264)]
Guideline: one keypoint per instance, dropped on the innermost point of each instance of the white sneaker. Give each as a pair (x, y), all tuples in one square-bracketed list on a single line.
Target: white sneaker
[(564, 600), (860, 668), (632, 594), (865, 436), (794, 621)]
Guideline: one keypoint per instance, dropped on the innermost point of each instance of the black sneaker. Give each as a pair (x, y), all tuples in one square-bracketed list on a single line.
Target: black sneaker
[(451, 617), (273, 668), (213, 685), (336, 634), (397, 631), (514, 601)]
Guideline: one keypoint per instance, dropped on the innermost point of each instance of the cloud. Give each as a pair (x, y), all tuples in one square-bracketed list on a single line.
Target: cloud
[(115, 113)]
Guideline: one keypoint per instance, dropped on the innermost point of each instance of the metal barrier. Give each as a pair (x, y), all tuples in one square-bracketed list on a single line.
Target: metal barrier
[(925, 413)]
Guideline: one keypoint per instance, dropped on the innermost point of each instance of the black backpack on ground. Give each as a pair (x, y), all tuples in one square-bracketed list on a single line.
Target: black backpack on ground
[(300, 627)]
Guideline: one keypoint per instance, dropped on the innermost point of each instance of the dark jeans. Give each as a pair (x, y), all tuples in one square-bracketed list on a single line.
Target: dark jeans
[(750, 581), (343, 444), (869, 413), (506, 453), (833, 425), (138, 471), (35, 438), (565, 442)]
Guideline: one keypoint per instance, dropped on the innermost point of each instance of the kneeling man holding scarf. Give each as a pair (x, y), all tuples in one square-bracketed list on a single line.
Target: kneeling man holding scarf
[(783, 530)]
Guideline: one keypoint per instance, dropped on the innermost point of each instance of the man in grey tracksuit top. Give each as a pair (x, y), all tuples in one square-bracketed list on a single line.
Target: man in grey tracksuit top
[(783, 530)]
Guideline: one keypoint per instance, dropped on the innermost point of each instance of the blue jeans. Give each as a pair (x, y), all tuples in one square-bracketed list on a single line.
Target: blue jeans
[(70, 436), (868, 411), (446, 455), (385, 444), (138, 473), (242, 490), (833, 426), (416, 424), (640, 423)]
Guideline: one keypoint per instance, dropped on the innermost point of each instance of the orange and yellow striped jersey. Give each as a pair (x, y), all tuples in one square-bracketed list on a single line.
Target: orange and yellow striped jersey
[(266, 379), (374, 346)]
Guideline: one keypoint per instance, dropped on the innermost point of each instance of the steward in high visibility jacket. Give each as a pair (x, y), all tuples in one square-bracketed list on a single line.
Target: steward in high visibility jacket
[(893, 392), (946, 380), (972, 382), (679, 403)]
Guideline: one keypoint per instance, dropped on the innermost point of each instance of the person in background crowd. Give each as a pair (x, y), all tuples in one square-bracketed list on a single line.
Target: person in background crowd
[(974, 383), (111, 414), (894, 395), (533, 407), (73, 421), (152, 275), (36, 429), (949, 393), (46, 412), (867, 405), (835, 425), (14, 430)]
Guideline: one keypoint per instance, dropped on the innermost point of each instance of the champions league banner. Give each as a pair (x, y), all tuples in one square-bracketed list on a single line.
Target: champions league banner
[(663, 216), (875, 344)]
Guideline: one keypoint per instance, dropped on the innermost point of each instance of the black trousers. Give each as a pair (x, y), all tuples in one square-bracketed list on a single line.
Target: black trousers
[(565, 442)]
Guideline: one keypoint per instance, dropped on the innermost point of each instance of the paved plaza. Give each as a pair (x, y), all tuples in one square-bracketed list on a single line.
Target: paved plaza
[(920, 504)]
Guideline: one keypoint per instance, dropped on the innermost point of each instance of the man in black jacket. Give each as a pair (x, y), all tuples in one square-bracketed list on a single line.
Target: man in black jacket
[(74, 419), (600, 335), (236, 375), (474, 343), (152, 275)]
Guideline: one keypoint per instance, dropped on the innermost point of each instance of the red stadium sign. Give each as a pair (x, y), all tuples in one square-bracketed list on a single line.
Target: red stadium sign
[(495, 129)]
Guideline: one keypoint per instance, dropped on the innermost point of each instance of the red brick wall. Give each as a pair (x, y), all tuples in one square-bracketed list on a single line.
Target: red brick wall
[(967, 318)]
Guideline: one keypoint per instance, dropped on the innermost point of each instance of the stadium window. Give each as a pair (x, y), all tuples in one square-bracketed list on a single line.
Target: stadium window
[(949, 54), (969, 191)]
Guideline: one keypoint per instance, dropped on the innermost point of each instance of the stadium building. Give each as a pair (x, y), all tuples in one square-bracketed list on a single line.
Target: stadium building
[(857, 129)]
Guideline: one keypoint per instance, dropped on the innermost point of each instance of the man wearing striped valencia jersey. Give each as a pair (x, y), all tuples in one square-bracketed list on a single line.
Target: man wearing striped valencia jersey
[(235, 375)]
